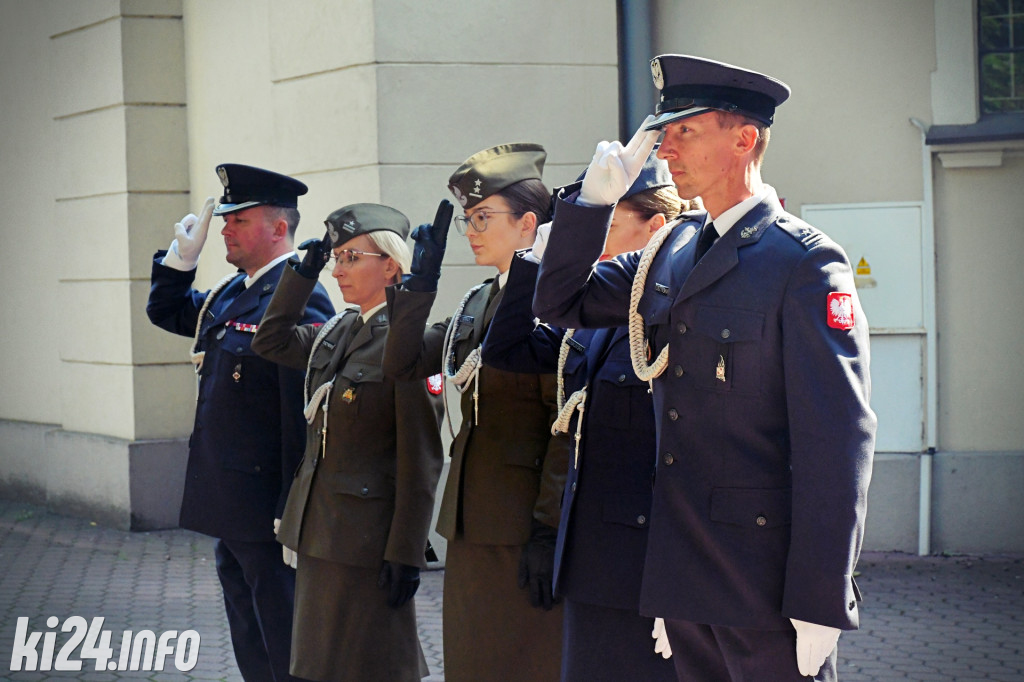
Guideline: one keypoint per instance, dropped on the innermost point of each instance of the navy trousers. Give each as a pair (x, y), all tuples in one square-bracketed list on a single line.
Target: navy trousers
[(259, 594), (711, 653), (605, 644)]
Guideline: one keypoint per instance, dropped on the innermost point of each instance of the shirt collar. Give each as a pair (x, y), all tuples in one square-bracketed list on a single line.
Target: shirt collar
[(266, 268), (731, 216), (372, 311)]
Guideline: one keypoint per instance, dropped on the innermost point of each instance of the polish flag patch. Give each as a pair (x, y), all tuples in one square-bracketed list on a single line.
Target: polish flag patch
[(840, 310), (434, 384)]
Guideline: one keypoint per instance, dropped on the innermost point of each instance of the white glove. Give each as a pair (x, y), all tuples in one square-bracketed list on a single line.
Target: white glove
[(540, 243), (661, 645), (614, 167), (289, 556), (813, 645), (190, 235)]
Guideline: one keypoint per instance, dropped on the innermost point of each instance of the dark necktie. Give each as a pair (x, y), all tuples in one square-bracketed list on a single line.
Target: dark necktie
[(707, 237)]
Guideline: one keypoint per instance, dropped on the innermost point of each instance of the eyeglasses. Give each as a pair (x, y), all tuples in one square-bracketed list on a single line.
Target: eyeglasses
[(351, 256), (478, 220)]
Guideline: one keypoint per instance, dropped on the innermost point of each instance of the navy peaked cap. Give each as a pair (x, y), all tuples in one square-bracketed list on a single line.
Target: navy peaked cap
[(248, 186), (690, 86)]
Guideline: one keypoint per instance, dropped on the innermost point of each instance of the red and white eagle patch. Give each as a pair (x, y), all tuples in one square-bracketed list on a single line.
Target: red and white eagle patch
[(434, 384), (840, 310)]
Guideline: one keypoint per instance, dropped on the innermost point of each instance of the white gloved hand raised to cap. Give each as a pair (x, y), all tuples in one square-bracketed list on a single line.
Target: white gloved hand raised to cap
[(189, 238), (614, 167), (813, 645), (660, 637)]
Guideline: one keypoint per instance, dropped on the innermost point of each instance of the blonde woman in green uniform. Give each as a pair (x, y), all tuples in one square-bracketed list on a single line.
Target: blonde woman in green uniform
[(359, 508), (500, 508)]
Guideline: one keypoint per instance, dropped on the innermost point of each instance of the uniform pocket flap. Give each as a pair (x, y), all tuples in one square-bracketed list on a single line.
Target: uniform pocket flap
[(360, 372), (627, 510), (752, 507), (574, 362), (368, 485), (620, 374), (321, 358), (524, 454), (728, 325)]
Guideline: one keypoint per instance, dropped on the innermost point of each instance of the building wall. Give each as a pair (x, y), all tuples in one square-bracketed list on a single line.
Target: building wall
[(117, 111)]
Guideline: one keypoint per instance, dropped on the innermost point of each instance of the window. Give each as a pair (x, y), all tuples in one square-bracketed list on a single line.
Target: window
[(1001, 55)]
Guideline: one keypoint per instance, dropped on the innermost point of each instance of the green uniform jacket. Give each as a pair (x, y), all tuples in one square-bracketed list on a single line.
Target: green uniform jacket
[(369, 494), (505, 470)]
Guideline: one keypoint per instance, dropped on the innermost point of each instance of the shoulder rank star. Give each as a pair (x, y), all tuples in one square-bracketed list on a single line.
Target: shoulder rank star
[(349, 395)]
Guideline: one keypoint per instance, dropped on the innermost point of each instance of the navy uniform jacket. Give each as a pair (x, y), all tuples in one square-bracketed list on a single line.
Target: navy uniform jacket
[(602, 539), (764, 463), (249, 431)]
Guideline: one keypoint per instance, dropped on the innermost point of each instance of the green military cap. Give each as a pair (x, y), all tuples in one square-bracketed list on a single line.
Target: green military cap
[(494, 169), (356, 219)]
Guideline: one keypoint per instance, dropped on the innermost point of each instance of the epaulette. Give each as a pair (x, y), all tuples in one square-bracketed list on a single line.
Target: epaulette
[(804, 233)]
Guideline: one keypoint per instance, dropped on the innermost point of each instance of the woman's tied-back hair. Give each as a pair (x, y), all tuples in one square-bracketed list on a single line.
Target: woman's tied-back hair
[(528, 196), (393, 245)]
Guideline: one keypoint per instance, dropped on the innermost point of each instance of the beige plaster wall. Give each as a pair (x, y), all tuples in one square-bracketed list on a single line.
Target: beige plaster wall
[(858, 70), (36, 251), (979, 245)]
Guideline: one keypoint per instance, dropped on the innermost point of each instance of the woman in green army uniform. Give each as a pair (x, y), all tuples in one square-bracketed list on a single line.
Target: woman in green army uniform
[(359, 509), (500, 507)]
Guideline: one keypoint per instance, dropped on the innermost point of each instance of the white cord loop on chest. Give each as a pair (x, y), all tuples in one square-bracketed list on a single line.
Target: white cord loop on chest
[(576, 402), (470, 369), (637, 341), (195, 356)]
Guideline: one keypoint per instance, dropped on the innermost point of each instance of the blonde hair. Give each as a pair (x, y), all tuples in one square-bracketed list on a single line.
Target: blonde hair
[(393, 245)]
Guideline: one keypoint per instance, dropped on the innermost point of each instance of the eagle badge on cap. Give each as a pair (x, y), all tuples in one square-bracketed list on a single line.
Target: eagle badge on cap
[(659, 78), (222, 173), (458, 195), (333, 232)]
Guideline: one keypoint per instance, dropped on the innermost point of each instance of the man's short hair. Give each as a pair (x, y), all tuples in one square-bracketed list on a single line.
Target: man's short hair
[(728, 119)]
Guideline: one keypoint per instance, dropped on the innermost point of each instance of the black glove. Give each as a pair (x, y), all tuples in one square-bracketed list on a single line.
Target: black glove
[(537, 565), (429, 241), (402, 581), (317, 253)]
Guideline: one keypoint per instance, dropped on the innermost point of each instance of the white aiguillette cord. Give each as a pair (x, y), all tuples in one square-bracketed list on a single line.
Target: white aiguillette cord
[(195, 356), (322, 395), (470, 369), (577, 401), (637, 342)]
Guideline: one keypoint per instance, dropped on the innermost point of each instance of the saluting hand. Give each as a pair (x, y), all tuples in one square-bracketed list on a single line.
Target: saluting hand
[(190, 236), (614, 167), (318, 251), (429, 243)]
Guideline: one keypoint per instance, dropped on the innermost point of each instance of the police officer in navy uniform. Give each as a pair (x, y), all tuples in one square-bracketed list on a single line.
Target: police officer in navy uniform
[(249, 430), (607, 423), (760, 379)]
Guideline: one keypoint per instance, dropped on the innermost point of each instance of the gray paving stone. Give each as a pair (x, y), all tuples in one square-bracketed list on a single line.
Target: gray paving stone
[(925, 619)]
